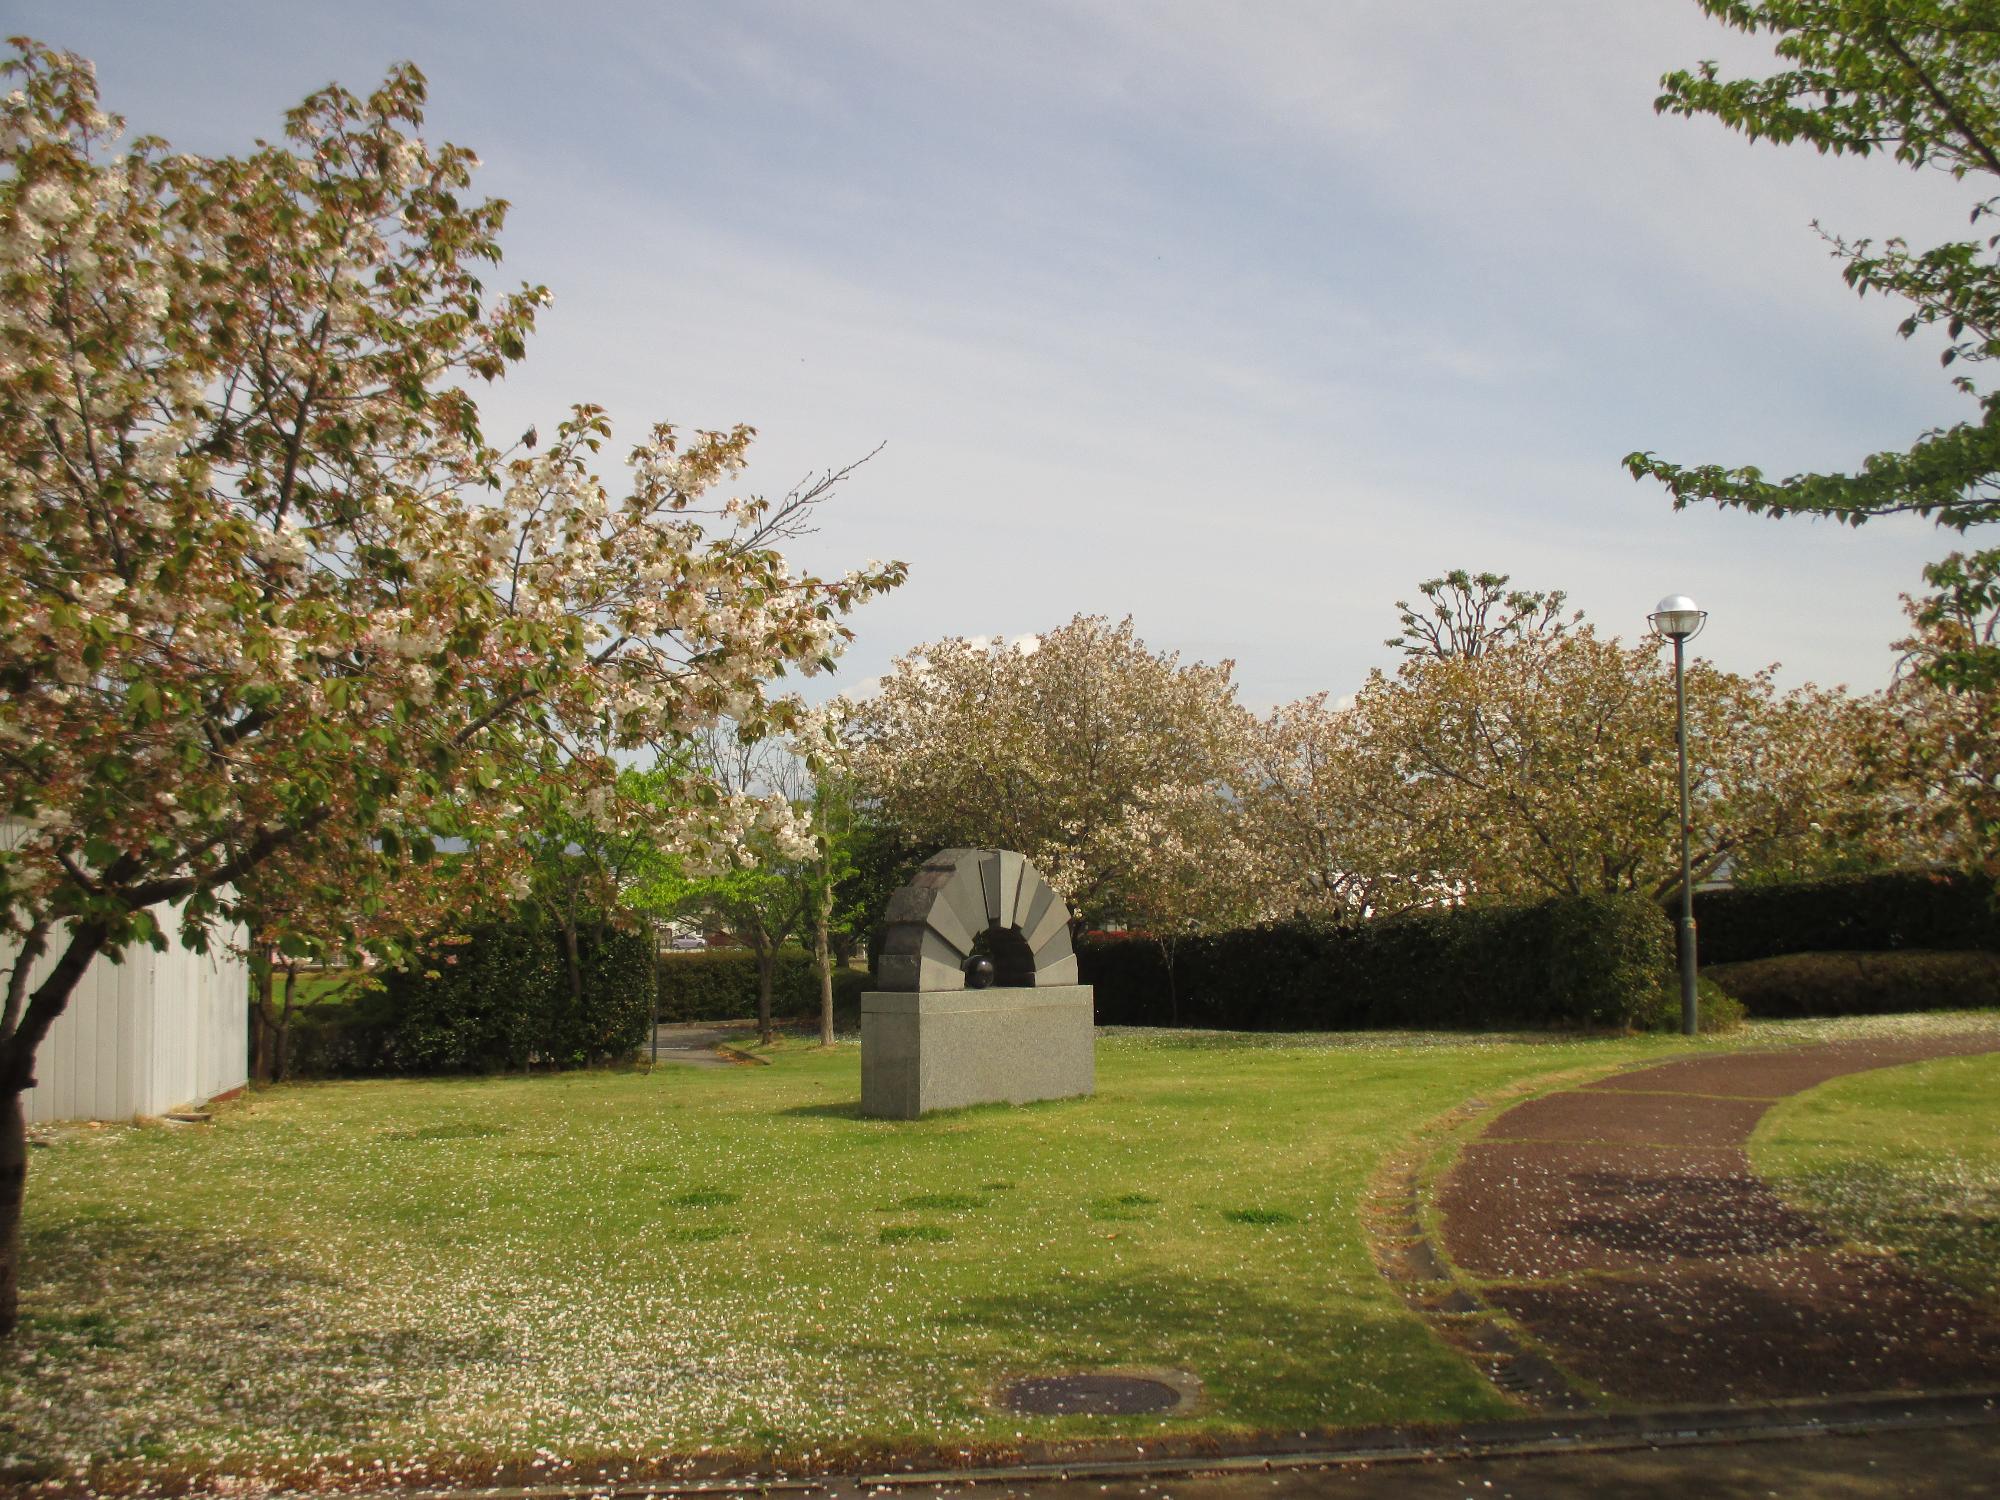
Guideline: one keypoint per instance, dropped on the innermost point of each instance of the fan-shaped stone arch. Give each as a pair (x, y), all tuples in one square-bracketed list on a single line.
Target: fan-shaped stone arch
[(960, 894)]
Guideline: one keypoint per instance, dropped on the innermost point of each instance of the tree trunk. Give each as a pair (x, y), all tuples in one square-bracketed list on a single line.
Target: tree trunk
[(263, 1007), (284, 1049), (653, 926), (13, 1190), (573, 955), (34, 943), (17, 1076), (259, 1071), (823, 962), (767, 963)]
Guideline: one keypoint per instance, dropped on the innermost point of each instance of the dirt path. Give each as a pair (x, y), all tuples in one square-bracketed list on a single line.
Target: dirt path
[(1622, 1225)]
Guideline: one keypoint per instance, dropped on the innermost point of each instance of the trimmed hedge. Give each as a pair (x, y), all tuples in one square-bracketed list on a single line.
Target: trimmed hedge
[(1927, 909), (1861, 984), (1593, 961), (1715, 1009), (615, 1015), (721, 985), (342, 1038), (498, 1000), (473, 1006)]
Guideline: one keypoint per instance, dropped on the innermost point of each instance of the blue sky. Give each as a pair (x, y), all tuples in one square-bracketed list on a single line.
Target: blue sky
[(1241, 318)]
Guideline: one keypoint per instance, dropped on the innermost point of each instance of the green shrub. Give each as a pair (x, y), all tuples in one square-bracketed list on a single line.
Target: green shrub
[(721, 985), (617, 1005), (499, 997), (1861, 984), (1716, 1010), (849, 985), (1593, 961), (1896, 909), (1606, 957), (1130, 977), (470, 1003), (345, 1038)]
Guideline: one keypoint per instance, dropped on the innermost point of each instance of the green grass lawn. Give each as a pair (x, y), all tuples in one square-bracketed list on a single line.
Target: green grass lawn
[(317, 985), (457, 1271), (1904, 1159)]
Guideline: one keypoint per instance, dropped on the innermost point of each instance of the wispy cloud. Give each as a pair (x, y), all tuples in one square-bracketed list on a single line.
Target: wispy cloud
[(1239, 319)]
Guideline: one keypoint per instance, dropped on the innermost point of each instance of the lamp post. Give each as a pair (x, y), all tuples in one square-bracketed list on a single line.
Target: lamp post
[(1680, 620)]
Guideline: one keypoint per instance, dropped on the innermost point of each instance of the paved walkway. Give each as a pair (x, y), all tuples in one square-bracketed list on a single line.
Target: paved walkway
[(1622, 1226), (693, 1043)]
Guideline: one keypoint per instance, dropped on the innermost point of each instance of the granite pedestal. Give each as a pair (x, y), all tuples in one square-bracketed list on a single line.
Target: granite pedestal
[(943, 1049)]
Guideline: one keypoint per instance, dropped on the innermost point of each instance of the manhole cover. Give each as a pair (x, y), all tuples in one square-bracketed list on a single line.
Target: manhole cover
[(1094, 1395)]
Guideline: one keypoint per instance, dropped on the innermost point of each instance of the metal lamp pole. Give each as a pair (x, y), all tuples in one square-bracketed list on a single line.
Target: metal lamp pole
[(1680, 620)]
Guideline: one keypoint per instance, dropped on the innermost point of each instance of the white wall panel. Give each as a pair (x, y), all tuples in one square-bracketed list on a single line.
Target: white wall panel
[(156, 1032)]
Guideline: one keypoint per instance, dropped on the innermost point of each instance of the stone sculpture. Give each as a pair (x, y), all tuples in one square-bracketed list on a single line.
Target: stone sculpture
[(930, 1042)]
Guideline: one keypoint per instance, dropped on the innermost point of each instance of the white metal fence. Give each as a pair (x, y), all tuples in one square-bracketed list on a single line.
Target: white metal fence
[(156, 1032)]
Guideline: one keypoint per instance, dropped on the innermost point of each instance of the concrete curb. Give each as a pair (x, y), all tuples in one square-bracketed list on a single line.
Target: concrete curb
[(1666, 1427)]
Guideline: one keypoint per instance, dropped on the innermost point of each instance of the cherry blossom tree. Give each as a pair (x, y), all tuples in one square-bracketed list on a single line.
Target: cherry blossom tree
[(757, 887), (1544, 767), (824, 746), (266, 591), (312, 914), (1330, 822), (1108, 765), (1466, 614)]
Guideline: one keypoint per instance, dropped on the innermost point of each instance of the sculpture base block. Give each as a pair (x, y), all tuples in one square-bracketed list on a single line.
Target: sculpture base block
[(943, 1049)]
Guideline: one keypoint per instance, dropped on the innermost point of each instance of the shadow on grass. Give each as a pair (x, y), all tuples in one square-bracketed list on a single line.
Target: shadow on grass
[(466, 1131), (847, 1110), (1122, 1207), (706, 1197), (851, 1110), (938, 1202), (149, 1330), (1945, 1228), (152, 1342), (701, 1234), (1267, 1360)]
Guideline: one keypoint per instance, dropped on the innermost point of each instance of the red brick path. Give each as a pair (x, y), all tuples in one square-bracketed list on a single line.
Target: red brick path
[(1622, 1225)]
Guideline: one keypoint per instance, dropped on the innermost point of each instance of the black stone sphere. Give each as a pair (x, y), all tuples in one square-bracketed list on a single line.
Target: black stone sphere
[(979, 973)]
